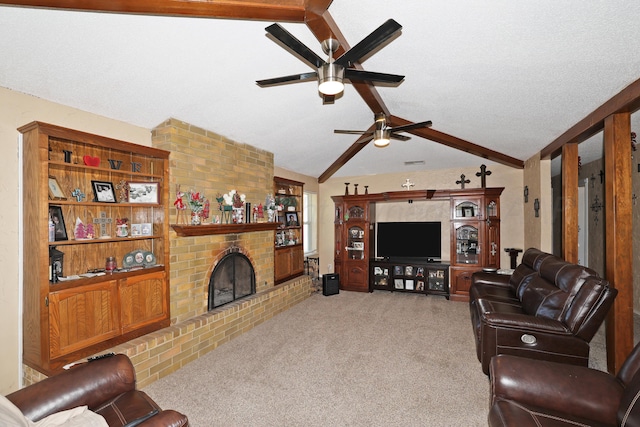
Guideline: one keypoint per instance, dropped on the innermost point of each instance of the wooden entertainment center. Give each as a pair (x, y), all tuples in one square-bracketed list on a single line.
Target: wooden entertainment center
[(475, 243)]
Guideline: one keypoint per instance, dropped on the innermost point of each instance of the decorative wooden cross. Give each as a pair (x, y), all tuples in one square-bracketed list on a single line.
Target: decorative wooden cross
[(103, 221), (79, 195), (408, 184), (123, 188), (462, 181), (483, 174)]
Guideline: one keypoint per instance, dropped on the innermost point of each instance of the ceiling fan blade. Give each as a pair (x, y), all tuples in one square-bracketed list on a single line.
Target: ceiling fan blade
[(287, 79), (399, 137), (369, 43), (353, 132), (412, 126), (353, 74), (295, 45)]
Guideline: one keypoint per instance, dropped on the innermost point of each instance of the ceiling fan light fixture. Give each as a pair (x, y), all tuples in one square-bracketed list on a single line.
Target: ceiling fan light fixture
[(381, 137), (330, 77)]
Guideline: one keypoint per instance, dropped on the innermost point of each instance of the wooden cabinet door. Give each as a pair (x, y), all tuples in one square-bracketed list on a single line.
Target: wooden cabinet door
[(143, 300), (492, 247), (297, 260), (80, 317), (461, 283), (282, 264), (356, 276)]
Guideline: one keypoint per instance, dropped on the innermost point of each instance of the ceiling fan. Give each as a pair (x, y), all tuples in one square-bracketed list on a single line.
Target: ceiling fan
[(382, 134), (331, 73)]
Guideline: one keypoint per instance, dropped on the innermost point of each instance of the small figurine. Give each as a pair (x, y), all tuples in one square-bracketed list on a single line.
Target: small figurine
[(180, 207)]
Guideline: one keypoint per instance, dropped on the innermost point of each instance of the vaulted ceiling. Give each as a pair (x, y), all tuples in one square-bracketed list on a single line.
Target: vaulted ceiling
[(499, 79)]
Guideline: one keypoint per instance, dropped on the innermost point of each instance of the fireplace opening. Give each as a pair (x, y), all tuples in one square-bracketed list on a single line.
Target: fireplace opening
[(232, 278)]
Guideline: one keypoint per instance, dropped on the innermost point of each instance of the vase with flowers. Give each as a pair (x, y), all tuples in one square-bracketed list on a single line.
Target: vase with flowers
[(196, 203)]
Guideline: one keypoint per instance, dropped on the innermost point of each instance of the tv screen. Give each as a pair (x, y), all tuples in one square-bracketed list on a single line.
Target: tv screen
[(409, 240)]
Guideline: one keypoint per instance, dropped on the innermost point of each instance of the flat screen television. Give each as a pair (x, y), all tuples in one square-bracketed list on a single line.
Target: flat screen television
[(409, 240)]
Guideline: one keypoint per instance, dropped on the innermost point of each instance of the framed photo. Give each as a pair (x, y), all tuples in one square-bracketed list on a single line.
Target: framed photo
[(467, 211), (55, 191), (103, 191), (146, 228), (136, 230), (408, 270), (292, 219), (58, 223), (397, 270), (409, 284), (358, 245), (420, 286), (398, 283), (143, 192)]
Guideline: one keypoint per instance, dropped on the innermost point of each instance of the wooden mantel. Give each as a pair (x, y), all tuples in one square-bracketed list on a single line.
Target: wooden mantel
[(213, 229)]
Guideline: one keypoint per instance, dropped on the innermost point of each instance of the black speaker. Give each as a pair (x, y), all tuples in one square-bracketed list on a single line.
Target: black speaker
[(330, 284)]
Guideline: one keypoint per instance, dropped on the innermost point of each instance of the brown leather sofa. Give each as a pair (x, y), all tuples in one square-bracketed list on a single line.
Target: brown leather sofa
[(547, 309), (107, 386), (526, 392)]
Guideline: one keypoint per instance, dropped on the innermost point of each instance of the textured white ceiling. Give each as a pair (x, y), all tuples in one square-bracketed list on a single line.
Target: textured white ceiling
[(510, 76)]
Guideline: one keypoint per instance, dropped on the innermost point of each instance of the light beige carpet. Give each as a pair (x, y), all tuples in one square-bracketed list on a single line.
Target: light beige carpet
[(352, 359)]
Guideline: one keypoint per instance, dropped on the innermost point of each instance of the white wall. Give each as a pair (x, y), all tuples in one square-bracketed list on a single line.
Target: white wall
[(511, 226), (17, 109)]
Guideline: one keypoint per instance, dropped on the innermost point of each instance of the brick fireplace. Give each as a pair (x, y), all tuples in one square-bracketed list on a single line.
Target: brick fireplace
[(211, 164)]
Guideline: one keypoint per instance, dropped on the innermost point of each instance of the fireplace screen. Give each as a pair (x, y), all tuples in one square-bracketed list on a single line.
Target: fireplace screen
[(233, 278)]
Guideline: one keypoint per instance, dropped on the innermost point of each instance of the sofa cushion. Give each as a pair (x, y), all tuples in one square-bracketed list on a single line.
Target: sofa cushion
[(542, 298)]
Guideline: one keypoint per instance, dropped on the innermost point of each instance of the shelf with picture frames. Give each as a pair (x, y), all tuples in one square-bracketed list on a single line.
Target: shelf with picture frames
[(288, 237), (79, 297)]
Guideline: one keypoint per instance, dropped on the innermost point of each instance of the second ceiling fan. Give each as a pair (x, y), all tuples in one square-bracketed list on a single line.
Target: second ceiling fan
[(331, 73), (383, 134)]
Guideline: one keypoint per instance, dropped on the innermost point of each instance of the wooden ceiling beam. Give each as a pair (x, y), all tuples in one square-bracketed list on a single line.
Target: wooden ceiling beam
[(459, 144), (271, 10), (355, 148), (626, 101)]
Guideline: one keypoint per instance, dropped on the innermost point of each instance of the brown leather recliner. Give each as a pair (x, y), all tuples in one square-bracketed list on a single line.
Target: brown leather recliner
[(528, 392), (107, 386), (547, 309)]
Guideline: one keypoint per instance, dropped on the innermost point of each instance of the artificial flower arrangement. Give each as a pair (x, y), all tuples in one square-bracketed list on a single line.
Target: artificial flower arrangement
[(195, 201)]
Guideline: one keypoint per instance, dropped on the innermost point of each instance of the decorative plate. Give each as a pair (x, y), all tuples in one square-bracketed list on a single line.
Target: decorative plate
[(139, 258)]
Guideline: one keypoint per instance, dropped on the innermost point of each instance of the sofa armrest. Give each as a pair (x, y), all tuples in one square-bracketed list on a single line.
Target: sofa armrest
[(490, 278), (88, 384), (167, 418), (561, 388), (525, 322)]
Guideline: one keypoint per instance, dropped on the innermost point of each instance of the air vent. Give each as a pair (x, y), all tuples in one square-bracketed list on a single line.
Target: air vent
[(414, 163)]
